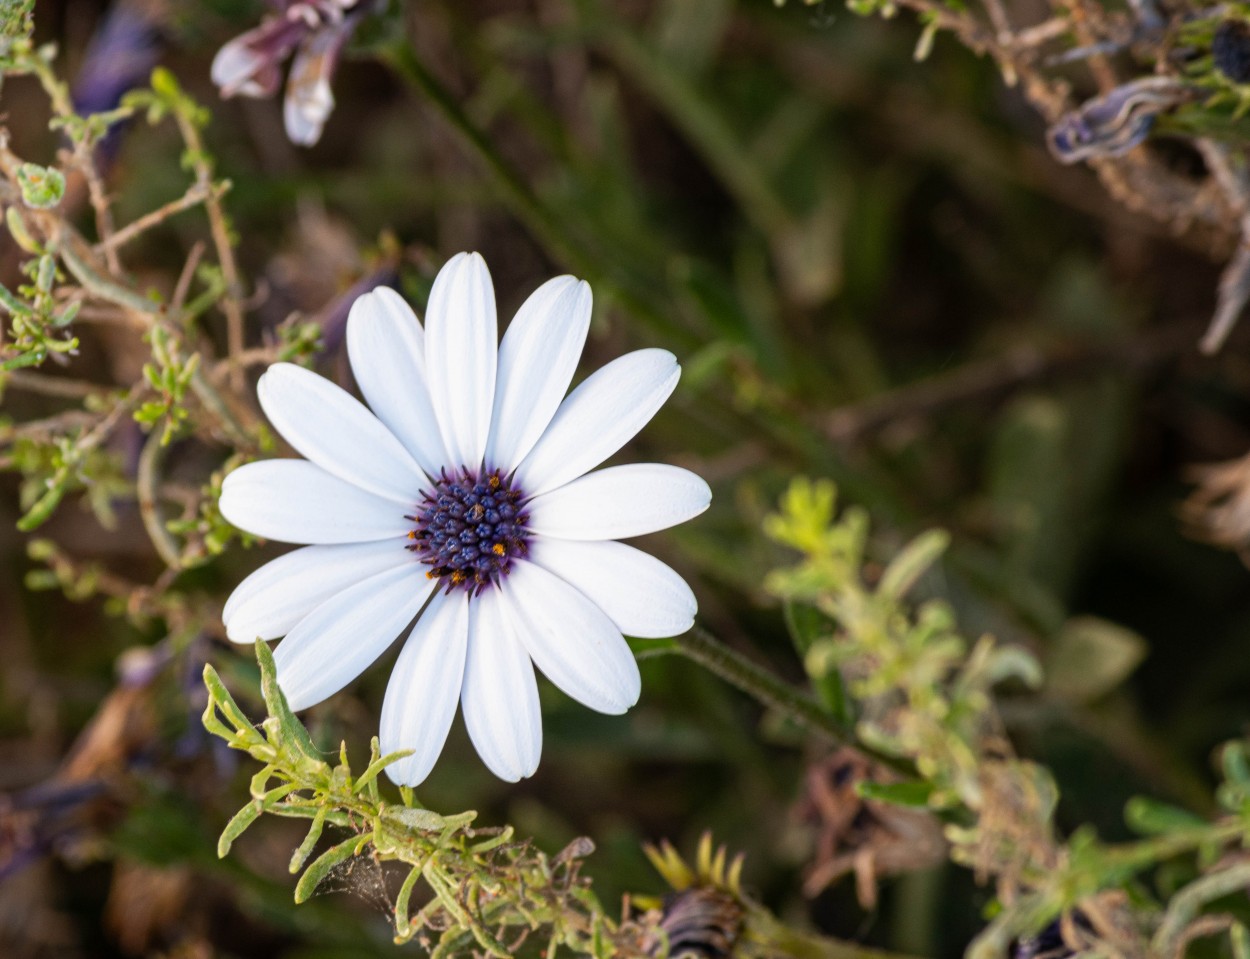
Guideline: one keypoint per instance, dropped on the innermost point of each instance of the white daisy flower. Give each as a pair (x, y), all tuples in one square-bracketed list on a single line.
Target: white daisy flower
[(464, 497)]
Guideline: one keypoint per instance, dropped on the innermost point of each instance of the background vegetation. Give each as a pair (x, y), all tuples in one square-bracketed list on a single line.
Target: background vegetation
[(871, 269)]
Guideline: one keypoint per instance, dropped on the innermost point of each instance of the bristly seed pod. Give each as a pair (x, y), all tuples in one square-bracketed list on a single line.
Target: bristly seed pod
[(1230, 49)]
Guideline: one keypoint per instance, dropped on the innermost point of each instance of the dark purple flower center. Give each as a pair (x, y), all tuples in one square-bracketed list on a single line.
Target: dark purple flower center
[(469, 529)]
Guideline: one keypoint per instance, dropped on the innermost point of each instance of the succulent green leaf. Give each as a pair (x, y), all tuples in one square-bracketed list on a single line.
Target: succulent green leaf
[(42, 187)]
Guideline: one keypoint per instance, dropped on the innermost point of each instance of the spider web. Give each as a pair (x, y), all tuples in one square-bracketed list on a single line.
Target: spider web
[(365, 879)]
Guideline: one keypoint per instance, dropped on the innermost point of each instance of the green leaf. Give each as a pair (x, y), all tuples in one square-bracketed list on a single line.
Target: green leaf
[(165, 85), (38, 514), (1236, 767), (33, 358), (404, 928), (323, 865), (300, 856), (291, 730), (912, 562), (425, 820), (236, 826), (1150, 817), (1240, 941), (16, 223), (12, 304), (807, 626), (1090, 657), (42, 187), (219, 698), (67, 315), (375, 767), (1015, 662), (899, 794)]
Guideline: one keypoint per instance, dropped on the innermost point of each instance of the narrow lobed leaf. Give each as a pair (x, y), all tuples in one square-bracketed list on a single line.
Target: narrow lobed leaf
[(322, 866)]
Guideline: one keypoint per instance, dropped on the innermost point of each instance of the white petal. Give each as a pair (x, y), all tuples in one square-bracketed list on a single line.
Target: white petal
[(620, 502), (500, 695), (537, 359), (461, 343), (421, 697), (305, 111), (279, 594), (234, 66), (599, 417), (641, 595), (386, 346), (309, 100), (338, 640), (293, 501), (571, 640), (334, 430)]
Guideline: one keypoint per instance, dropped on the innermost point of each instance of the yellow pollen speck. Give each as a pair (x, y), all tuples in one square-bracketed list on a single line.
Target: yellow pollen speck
[(412, 534), (458, 577), (498, 549), (431, 574), (494, 482)]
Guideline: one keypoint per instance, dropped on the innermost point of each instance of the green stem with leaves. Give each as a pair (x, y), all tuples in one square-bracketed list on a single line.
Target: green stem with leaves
[(700, 646)]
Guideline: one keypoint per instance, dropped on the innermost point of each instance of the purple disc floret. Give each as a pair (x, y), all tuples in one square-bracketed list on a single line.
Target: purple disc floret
[(469, 529)]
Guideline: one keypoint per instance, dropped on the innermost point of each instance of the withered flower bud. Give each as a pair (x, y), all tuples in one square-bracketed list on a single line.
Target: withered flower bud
[(1111, 125), (701, 921), (1230, 49), (316, 31)]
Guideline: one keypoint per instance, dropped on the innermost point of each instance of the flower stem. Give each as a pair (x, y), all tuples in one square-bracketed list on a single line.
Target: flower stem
[(778, 939), (709, 652)]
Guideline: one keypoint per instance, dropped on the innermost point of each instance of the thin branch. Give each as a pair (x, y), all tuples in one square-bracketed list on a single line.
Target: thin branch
[(986, 380), (232, 301), (1234, 290), (196, 194), (146, 481), (57, 386), (183, 286)]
